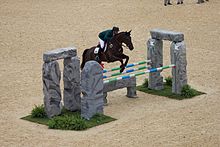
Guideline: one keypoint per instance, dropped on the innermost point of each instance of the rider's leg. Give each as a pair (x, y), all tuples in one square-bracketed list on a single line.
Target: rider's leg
[(101, 49), (102, 44)]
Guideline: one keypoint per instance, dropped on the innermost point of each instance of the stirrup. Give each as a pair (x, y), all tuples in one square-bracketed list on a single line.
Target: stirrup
[(97, 58)]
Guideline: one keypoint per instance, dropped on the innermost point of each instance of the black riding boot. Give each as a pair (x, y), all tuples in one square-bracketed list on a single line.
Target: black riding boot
[(97, 57)]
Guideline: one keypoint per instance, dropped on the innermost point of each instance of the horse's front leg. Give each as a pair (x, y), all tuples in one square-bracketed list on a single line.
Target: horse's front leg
[(122, 66), (120, 59), (126, 59)]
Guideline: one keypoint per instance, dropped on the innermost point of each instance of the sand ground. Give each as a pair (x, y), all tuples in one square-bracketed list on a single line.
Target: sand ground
[(28, 28)]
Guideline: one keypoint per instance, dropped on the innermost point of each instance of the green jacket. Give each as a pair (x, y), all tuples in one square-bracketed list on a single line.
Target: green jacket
[(106, 35)]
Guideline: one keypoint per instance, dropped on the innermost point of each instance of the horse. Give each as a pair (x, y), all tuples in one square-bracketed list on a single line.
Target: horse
[(114, 51)]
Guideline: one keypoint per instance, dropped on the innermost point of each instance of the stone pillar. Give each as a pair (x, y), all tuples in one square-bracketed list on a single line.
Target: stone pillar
[(51, 88), (155, 54), (131, 92), (179, 74), (72, 89), (92, 90)]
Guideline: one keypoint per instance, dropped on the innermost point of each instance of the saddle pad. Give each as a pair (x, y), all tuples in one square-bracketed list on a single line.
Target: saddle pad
[(96, 50)]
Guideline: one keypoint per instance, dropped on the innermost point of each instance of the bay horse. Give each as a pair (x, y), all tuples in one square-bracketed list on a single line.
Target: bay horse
[(114, 51)]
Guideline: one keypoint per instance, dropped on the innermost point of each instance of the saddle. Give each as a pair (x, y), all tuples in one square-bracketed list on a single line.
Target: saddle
[(96, 50), (98, 53)]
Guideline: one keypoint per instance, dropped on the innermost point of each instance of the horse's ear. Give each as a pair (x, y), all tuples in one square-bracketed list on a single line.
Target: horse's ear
[(129, 32)]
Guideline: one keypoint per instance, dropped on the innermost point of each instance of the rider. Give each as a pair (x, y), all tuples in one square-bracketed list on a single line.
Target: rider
[(104, 37)]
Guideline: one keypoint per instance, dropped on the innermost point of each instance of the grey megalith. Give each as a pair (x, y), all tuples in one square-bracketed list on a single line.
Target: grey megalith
[(155, 54), (72, 88), (179, 74), (92, 90), (51, 88)]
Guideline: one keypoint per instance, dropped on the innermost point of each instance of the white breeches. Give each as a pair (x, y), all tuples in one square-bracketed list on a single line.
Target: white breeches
[(102, 43)]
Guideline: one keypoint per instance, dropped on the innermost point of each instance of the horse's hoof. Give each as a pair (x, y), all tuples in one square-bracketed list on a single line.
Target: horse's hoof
[(121, 70)]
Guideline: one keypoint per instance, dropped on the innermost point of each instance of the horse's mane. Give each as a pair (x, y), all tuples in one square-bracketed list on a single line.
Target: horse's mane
[(119, 34)]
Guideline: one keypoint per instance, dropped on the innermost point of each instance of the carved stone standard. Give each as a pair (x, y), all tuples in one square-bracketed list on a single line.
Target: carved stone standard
[(179, 74), (155, 54), (92, 90), (72, 89), (51, 87)]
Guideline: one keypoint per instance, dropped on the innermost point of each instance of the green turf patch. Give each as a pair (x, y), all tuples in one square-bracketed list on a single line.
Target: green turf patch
[(167, 92), (68, 120)]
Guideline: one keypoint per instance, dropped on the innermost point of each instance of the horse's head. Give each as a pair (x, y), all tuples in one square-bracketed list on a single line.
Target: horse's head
[(125, 37)]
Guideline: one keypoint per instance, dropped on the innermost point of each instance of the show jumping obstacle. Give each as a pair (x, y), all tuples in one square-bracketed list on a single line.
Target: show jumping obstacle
[(92, 83)]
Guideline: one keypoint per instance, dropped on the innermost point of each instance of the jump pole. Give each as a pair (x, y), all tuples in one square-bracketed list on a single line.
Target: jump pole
[(139, 73), (129, 65)]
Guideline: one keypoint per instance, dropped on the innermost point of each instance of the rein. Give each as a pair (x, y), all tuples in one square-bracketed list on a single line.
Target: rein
[(119, 43)]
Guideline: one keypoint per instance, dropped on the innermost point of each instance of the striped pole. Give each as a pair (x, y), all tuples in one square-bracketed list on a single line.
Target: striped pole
[(124, 72), (129, 65), (139, 73)]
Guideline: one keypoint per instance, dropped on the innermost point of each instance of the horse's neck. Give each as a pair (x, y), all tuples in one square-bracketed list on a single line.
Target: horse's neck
[(116, 41), (116, 45)]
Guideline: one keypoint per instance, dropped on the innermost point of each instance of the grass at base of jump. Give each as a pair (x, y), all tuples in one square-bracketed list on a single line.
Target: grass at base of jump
[(94, 121), (166, 92)]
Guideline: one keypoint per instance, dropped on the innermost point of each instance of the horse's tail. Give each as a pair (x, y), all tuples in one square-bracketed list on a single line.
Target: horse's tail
[(83, 59)]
